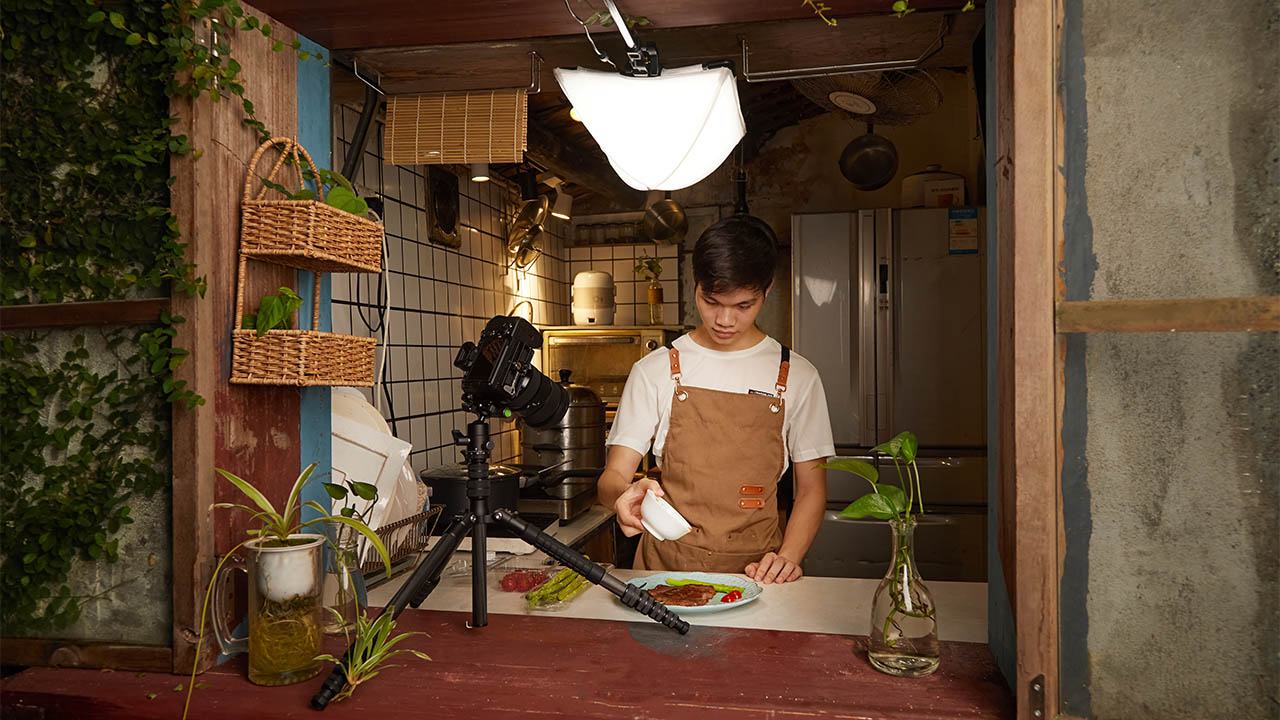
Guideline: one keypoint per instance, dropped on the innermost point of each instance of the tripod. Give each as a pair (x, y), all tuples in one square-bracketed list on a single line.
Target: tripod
[(475, 522)]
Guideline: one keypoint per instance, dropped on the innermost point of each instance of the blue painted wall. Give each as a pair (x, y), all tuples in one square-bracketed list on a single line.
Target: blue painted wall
[(314, 134)]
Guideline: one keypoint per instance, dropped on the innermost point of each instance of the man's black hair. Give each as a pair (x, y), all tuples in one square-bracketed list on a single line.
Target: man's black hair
[(736, 253)]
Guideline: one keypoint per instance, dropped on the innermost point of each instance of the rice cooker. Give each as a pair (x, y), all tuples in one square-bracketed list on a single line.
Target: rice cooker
[(913, 184), (593, 298)]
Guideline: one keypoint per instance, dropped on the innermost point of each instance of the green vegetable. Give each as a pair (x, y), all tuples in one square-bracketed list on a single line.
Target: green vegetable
[(561, 579), (566, 592), (677, 582)]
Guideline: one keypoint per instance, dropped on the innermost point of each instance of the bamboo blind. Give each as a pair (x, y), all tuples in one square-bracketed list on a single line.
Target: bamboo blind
[(456, 127)]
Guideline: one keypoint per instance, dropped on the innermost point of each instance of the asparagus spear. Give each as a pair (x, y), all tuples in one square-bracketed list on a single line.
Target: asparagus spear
[(562, 578), (676, 582)]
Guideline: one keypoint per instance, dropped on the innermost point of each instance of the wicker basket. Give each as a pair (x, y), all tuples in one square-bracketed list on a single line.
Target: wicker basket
[(305, 234), (298, 357)]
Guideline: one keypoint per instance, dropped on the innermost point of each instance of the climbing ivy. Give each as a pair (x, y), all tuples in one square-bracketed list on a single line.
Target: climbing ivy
[(86, 137)]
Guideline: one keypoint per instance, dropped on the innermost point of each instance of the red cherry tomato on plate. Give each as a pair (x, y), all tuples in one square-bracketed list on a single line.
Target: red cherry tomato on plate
[(731, 597)]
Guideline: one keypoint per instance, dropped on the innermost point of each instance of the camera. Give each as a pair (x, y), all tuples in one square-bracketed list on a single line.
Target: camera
[(500, 377)]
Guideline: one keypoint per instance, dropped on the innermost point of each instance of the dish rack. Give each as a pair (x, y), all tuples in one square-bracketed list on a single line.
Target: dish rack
[(402, 539)]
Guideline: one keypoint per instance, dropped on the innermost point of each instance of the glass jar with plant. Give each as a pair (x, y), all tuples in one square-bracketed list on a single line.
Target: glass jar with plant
[(285, 584), (343, 581), (904, 626), (650, 268)]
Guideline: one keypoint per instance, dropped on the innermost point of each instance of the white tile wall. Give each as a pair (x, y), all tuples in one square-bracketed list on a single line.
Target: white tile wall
[(440, 296), (632, 291)]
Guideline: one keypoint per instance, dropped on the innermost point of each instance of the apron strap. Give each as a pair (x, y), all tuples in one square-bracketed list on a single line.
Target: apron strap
[(784, 368), (673, 356)]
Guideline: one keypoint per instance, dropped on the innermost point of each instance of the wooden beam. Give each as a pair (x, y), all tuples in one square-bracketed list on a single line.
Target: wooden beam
[(1037, 491), (1251, 314), (107, 312), (774, 46), (69, 653), (341, 25), (580, 167)]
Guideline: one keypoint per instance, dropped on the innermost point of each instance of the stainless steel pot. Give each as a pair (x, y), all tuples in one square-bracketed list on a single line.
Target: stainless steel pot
[(575, 442), (665, 222)]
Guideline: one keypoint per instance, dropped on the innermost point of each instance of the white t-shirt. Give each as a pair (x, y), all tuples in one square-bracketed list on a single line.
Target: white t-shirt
[(644, 413)]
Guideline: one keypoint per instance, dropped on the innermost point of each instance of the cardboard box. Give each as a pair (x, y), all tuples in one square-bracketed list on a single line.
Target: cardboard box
[(944, 193)]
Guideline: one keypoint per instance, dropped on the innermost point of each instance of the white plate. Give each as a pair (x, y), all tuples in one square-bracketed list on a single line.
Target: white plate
[(750, 590)]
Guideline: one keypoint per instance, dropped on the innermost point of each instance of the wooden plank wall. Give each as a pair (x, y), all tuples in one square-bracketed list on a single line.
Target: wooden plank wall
[(249, 430)]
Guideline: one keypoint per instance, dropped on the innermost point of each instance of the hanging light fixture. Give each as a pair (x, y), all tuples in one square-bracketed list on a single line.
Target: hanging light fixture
[(563, 208), (661, 129), (480, 172)]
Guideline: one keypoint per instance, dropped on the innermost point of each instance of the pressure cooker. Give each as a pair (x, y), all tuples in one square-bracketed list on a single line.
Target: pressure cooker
[(575, 442)]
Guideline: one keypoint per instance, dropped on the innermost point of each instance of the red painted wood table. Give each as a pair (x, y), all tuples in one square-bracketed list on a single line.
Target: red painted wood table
[(553, 666)]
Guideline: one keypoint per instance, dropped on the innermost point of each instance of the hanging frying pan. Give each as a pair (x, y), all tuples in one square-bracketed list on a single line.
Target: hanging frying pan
[(522, 240), (665, 222), (870, 161)]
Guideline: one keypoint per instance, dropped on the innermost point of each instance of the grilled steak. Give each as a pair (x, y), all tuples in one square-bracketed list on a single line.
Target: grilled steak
[(685, 595)]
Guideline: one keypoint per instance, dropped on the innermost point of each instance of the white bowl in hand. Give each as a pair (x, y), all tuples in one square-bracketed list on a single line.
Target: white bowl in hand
[(660, 519)]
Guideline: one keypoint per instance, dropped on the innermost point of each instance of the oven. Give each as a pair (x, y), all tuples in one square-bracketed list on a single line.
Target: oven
[(601, 357)]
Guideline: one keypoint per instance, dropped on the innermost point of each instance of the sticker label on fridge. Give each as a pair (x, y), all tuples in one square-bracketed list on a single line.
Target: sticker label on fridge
[(962, 230)]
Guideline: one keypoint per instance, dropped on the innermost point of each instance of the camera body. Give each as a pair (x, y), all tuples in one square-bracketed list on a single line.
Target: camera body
[(500, 375)]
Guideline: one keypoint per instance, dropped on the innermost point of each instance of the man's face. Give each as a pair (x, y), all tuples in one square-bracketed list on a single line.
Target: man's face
[(729, 316)]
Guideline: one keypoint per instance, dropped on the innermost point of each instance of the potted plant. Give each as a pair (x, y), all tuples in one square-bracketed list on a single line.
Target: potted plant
[(285, 584), (275, 312), (342, 563), (650, 268), (904, 627)]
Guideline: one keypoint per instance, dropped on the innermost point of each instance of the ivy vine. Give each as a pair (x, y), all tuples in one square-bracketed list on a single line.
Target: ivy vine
[(86, 137)]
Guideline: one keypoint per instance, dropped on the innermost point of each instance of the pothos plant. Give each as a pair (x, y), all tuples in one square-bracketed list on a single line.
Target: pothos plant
[(899, 504), (649, 268)]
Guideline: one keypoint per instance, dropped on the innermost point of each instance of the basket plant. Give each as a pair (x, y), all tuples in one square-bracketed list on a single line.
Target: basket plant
[(904, 628)]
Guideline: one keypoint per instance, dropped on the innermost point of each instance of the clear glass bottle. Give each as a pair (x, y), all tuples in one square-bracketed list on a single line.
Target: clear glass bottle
[(655, 302), (904, 623), (342, 573)]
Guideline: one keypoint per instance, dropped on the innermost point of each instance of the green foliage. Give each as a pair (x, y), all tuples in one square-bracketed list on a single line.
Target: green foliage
[(647, 267), (885, 501), (87, 139), (340, 193), (279, 525), (373, 646), (79, 441), (275, 312)]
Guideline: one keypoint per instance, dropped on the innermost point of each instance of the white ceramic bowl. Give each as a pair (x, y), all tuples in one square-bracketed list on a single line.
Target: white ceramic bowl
[(660, 519)]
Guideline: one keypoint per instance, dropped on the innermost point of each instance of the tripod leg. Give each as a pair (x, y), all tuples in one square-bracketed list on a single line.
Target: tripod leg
[(630, 595), (414, 591)]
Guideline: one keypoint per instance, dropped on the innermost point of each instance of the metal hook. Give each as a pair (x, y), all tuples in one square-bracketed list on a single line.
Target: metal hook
[(535, 73), (355, 70)]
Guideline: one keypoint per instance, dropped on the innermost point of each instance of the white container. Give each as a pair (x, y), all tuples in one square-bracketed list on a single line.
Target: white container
[(913, 184), (944, 193), (593, 298), (660, 519)]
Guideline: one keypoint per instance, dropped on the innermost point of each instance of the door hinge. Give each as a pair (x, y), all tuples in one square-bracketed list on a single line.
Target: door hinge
[(1036, 697)]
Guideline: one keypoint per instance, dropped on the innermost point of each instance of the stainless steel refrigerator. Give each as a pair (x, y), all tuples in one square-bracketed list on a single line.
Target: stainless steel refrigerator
[(889, 305)]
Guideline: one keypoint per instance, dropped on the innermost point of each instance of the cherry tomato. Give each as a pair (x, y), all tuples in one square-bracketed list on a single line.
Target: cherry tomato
[(731, 597)]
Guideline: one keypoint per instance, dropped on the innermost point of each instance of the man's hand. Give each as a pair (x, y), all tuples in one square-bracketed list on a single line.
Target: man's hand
[(773, 568), (628, 505)]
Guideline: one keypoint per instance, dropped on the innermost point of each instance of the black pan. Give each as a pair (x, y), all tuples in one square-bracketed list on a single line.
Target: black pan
[(870, 161)]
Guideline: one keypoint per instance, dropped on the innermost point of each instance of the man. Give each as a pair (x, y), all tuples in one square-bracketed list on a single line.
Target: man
[(725, 408)]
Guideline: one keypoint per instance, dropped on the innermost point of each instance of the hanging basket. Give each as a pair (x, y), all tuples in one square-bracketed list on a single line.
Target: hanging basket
[(304, 234), (298, 357)]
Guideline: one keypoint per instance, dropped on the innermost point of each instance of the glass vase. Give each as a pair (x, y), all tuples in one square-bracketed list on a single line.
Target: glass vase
[(655, 302), (342, 575), (904, 624)]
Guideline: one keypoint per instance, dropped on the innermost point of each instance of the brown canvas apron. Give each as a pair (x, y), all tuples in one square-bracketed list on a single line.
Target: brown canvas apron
[(720, 468)]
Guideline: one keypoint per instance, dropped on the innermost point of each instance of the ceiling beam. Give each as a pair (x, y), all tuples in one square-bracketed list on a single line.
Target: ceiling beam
[(344, 25), (579, 166)]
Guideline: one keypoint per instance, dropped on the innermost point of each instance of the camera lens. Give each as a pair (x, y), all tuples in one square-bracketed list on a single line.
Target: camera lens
[(541, 401)]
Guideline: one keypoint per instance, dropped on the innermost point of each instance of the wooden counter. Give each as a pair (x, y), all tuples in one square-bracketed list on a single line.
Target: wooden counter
[(559, 666)]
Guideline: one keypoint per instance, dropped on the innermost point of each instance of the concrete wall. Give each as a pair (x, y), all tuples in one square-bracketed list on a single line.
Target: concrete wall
[(1169, 598)]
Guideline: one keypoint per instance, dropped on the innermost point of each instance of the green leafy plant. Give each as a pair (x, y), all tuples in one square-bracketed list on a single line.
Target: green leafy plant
[(354, 489), (604, 19), (649, 268), (820, 9), (339, 192), (279, 525), (902, 8), (275, 312), (895, 504), (369, 651)]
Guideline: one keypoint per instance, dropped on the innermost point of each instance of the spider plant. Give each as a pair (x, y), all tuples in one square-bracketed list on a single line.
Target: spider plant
[(372, 648)]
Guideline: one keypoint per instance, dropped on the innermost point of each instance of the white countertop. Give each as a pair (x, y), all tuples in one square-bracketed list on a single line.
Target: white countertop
[(840, 606)]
